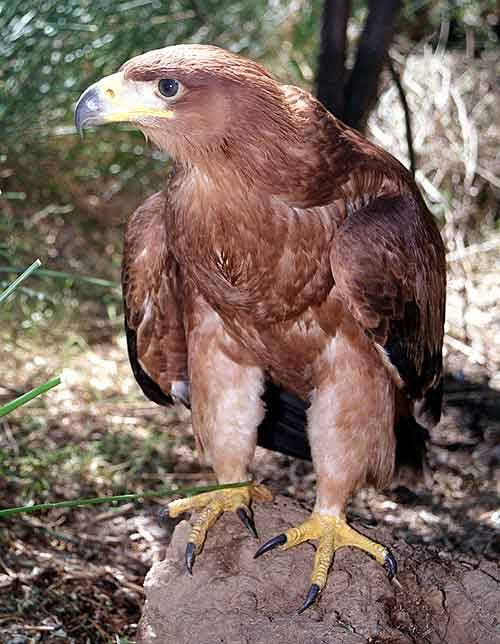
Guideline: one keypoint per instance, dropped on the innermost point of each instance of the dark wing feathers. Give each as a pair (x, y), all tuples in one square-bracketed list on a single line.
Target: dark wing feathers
[(284, 426), (388, 263), (147, 384), (152, 303)]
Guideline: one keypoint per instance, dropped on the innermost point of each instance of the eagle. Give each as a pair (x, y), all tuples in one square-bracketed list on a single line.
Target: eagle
[(287, 284)]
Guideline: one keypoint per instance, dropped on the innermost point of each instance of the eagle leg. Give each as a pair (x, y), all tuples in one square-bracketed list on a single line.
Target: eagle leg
[(211, 506), (333, 533)]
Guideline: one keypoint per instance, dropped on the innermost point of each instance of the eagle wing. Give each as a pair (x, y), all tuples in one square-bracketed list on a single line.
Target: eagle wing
[(388, 263), (152, 299)]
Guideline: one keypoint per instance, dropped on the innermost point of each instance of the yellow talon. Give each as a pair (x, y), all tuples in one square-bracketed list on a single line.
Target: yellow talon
[(212, 505), (322, 527), (333, 533)]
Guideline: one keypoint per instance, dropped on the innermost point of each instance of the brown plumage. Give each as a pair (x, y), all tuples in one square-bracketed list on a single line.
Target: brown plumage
[(287, 260)]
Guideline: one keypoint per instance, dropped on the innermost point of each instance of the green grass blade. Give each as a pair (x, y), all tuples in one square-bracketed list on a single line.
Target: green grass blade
[(10, 289), (120, 498), (45, 272), (25, 398)]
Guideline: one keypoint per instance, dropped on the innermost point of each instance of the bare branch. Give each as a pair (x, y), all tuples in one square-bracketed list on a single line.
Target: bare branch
[(404, 103), (361, 89), (330, 79)]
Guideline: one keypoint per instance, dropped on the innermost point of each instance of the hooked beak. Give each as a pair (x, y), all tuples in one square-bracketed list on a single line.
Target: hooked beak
[(116, 100)]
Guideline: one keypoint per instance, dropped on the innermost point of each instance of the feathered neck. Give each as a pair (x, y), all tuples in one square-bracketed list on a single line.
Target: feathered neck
[(305, 158)]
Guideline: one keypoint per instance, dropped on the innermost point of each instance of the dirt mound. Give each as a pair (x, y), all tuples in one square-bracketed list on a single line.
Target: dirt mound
[(234, 599)]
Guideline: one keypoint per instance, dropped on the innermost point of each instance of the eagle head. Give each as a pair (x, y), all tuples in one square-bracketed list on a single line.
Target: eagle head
[(190, 100)]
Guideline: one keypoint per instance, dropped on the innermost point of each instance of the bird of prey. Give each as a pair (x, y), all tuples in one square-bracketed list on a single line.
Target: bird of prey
[(288, 284)]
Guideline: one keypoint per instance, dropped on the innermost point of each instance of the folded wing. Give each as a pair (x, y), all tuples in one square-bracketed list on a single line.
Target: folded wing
[(152, 297), (388, 263)]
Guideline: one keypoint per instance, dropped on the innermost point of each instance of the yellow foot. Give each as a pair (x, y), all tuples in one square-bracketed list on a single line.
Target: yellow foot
[(212, 505), (333, 533)]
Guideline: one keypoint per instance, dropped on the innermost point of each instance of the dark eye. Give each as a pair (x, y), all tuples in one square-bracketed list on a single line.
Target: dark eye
[(168, 87)]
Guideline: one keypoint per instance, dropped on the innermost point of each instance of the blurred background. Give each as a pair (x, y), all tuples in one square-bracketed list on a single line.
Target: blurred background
[(426, 91)]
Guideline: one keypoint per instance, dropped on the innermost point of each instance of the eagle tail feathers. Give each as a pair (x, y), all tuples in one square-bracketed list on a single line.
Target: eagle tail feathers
[(284, 426), (428, 410), (411, 449)]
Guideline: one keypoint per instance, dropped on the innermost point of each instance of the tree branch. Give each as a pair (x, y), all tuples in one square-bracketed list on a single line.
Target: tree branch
[(404, 103), (361, 89), (330, 78)]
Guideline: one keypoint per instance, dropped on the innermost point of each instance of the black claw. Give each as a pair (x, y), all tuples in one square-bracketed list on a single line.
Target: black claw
[(390, 565), (270, 545), (312, 595), (190, 557), (247, 521), (162, 517)]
